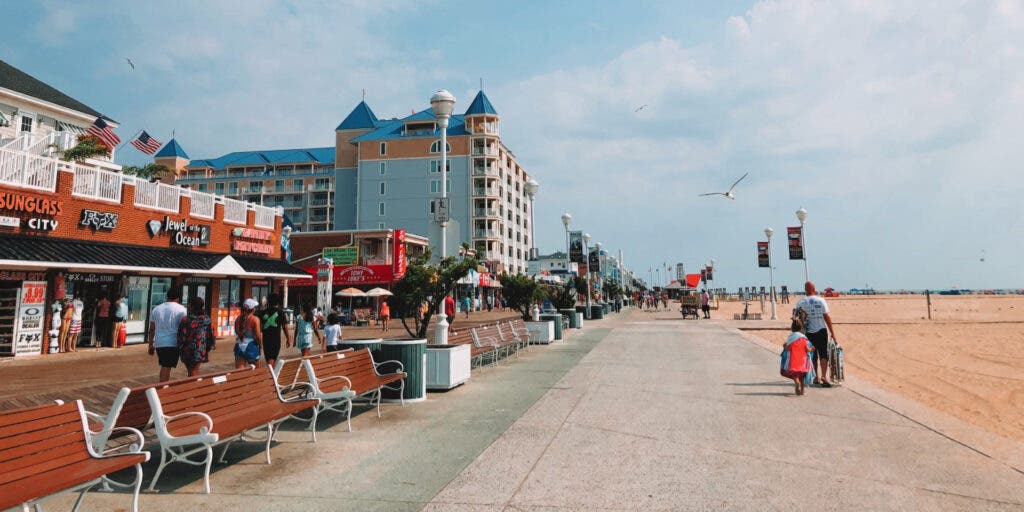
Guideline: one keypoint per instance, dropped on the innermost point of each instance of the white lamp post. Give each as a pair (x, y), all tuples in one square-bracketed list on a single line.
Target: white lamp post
[(586, 250), (566, 219), (442, 103), (771, 271), (531, 190), (597, 274), (801, 215)]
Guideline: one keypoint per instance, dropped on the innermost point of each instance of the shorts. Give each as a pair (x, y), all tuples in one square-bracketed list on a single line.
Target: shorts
[(451, 318), (76, 327), (252, 352), (304, 342), (271, 349), (820, 341), (168, 356)]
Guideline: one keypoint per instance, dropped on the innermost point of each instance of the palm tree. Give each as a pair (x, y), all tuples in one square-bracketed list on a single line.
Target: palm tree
[(89, 146)]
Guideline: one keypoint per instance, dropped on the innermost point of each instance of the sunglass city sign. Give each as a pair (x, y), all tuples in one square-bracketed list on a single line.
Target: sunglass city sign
[(181, 232)]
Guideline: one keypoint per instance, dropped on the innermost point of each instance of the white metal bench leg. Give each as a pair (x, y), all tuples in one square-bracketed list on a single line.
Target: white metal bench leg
[(376, 394), (78, 501), (159, 469), (136, 488), (270, 438), (348, 414)]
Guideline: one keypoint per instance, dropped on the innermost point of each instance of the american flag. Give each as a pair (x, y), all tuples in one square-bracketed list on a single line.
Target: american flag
[(102, 130), (146, 144)]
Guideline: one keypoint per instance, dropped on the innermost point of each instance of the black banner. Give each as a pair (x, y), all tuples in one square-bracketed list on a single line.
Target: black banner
[(762, 254), (796, 243), (595, 261)]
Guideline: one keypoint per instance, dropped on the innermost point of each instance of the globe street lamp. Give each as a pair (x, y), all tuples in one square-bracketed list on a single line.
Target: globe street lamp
[(566, 219), (442, 103), (598, 281), (586, 250), (531, 190), (801, 215), (771, 271)]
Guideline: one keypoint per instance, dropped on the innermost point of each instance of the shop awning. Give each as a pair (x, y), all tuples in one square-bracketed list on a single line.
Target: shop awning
[(45, 253)]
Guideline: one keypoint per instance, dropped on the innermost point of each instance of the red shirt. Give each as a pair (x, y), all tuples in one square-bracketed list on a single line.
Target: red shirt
[(449, 306)]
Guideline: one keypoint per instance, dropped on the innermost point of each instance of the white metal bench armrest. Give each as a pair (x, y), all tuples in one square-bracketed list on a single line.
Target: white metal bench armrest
[(401, 367), (202, 430)]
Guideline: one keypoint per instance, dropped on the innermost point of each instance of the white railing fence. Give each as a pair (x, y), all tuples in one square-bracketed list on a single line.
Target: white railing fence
[(234, 211), (23, 170), (264, 216), (158, 196), (202, 204), (96, 183)]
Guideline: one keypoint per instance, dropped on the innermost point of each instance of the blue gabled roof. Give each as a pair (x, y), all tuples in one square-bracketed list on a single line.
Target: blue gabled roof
[(273, 156), (361, 117), (171, 149), (394, 128), (481, 105)]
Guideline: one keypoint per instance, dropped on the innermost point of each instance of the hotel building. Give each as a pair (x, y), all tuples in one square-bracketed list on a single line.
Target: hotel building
[(386, 174)]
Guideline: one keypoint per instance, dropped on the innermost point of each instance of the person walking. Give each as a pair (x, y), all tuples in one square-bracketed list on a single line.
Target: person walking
[(248, 335), (467, 304), (449, 311), (385, 315), (819, 329), (120, 321), (306, 329), (705, 303), (103, 323), (195, 337), (332, 334), (163, 332), (796, 362), (274, 322)]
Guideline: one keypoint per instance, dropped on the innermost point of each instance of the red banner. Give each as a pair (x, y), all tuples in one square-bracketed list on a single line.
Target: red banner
[(796, 243), (400, 264), (353, 275)]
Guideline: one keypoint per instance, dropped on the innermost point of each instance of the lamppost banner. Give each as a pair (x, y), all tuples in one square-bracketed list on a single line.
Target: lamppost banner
[(710, 271), (704, 275), (576, 246), (762, 254), (796, 243), (595, 261)]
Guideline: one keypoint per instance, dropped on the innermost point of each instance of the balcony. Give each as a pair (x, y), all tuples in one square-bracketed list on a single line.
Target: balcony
[(319, 202), (486, 212), (485, 128), (485, 151), (489, 171), (24, 170), (317, 218), (321, 187), (486, 233), (486, 192)]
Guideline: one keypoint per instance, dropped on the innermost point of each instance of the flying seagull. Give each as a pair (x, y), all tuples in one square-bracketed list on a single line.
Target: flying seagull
[(130, 63), (641, 107), (728, 194)]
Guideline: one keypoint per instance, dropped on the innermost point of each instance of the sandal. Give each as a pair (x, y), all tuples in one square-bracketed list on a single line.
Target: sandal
[(825, 384)]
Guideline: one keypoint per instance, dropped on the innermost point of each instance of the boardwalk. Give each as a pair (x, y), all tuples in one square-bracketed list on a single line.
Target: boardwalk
[(632, 413)]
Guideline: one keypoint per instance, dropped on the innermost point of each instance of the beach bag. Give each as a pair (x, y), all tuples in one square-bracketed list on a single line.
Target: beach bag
[(122, 335), (784, 365), (809, 378)]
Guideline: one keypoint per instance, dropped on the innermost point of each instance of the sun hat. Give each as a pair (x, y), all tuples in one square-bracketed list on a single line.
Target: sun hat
[(250, 303)]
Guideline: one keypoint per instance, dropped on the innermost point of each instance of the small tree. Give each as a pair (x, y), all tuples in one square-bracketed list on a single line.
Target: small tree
[(425, 282), (148, 171), (88, 146), (612, 290), (564, 297), (580, 283), (521, 292)]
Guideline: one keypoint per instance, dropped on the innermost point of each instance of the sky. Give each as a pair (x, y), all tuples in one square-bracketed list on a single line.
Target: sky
[(895, 124)]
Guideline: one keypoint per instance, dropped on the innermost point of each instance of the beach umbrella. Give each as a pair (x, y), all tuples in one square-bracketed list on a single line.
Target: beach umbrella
[(351, 292), (378, 292)]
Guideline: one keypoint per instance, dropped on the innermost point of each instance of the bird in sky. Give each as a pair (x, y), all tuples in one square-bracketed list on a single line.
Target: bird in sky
[(130, 63), (641, 107), (728, 194)]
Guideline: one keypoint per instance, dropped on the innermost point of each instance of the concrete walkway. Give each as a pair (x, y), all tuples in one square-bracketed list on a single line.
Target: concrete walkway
[(632, 413)]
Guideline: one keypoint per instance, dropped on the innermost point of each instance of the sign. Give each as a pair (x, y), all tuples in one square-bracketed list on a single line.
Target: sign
[(253, 241), (98, 220), (324, 269), (91, 278), (704, 275), (180, 231), (30, 204), (399, 261), (762, 254), (442, 212), (354, 275), (576, 246), (342, 255), (710, 272), (796, 242), (10, 222), (595, 261), (31, 311), (21, 275)]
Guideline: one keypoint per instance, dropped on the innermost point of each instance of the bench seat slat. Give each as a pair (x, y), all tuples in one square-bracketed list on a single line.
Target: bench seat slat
[(63, 477)]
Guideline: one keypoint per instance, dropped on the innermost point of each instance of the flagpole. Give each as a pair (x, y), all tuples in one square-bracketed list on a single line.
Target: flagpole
[(128, 139)]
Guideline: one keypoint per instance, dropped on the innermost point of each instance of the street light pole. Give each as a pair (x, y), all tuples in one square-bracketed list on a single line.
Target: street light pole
[(442, 103), (566, 219), (801, 215), (531, 190), (586, 250), (771, 271)]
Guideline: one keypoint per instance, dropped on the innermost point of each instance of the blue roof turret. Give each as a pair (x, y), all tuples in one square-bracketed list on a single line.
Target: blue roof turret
[(361, 117), (171, 149), (481, 105)]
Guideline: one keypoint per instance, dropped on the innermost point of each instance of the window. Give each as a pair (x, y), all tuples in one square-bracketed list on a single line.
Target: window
[(233, 188), (448, 186), (383, 148), (26, 124), (255, 186), (380, 225), (279, 185), (296, 185), (218, 188), (435, 186), (380, 209), (383, 168), (435, 165), (382, 187), (202, 187), (436, 147)]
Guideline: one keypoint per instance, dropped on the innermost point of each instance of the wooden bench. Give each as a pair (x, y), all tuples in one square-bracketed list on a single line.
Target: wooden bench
[(193, 415), (491, 333), (47, 450), (294, 379), (477, 351), (339, 377), (520, 332)]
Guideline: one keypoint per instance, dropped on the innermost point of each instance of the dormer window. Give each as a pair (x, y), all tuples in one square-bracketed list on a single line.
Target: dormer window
[(420, 128), (436, 147)]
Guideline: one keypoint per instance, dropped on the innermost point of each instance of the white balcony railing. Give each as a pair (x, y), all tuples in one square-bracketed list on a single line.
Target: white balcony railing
[(96, 184), (489, 191), (487, 212), (234, 211), (20, 169), (264, 216), (485, 171), (158, 196), (485, 151), (202, 204), (486, 233)]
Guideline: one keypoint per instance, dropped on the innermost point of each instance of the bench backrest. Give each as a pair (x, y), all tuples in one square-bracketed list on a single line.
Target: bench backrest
[(215, 395), (35, 440), (289, 372), (357, 366), (463, 337)]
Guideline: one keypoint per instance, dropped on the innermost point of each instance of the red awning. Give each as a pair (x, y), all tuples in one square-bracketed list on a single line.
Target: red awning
[(693, 280)]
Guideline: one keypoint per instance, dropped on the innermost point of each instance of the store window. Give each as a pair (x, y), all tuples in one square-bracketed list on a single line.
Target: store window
[(228, 302)]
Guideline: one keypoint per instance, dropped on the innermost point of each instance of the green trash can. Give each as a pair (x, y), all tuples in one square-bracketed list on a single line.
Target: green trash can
[(413, 356), (557, 318), (371, 343), (571, 313), (596, 312)]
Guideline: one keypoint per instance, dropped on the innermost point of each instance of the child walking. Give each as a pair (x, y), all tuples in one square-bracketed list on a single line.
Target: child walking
[(332, 334), (796, 356)]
